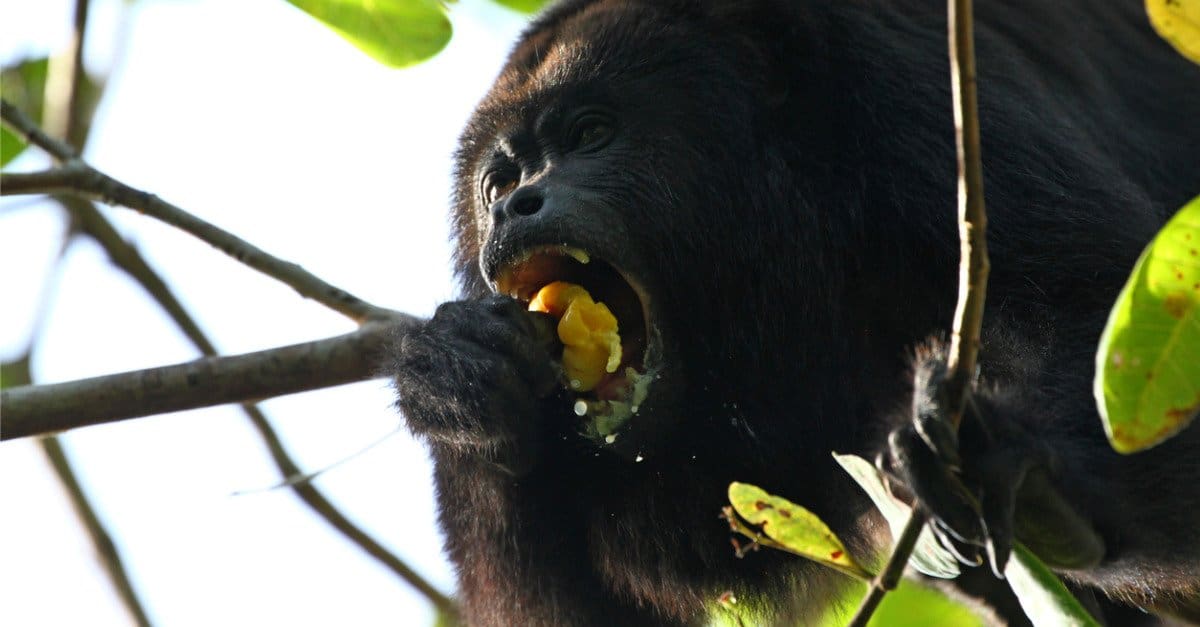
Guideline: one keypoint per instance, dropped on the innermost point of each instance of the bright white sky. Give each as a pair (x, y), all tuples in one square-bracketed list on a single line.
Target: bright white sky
[(255, 117)]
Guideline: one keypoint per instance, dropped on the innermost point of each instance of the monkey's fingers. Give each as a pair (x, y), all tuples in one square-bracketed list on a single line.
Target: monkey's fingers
[(939, 488)]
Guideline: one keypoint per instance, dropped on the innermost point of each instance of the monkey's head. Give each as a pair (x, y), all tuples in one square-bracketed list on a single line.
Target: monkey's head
[(630, 151)]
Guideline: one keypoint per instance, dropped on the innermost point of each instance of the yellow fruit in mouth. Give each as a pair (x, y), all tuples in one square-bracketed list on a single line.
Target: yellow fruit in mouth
[(587, 329)]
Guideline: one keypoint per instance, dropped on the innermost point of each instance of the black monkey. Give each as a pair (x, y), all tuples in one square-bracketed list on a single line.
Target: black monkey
[(762, 192)]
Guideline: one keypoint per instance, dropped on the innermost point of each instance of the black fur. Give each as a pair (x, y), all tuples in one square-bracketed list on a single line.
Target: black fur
[(781, 182)]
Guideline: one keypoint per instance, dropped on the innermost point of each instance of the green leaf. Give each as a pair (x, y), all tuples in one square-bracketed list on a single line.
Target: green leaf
[(1147, 382), (928, 556), (911, 604), (795, 528), (10, 146), (24, 86), (16, 372), (1045, 599), (396, 33), (524, 6)]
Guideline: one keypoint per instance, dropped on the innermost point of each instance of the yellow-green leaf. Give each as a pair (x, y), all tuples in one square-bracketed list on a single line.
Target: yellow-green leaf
[(1148, 365), (1178, 22), (795, 528), (396, 33)]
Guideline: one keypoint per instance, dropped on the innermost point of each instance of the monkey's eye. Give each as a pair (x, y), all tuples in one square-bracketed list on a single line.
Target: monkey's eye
[(589, 132), (497, 184)]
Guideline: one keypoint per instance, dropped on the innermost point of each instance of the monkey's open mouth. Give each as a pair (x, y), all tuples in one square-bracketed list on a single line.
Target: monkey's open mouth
[(616, 397)]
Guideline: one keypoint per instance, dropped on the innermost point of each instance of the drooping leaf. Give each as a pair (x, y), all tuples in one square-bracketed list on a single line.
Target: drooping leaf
[(795, 528), (524, 6), (24, 86), (1178, 22), (928, 556), (1147, 382), (1045, 599), (396, 33)]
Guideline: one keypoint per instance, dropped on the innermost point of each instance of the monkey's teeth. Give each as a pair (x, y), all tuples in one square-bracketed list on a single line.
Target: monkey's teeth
[(577, 254)]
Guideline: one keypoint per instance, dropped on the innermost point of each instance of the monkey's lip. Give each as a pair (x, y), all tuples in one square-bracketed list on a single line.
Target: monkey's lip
[(533, 269)]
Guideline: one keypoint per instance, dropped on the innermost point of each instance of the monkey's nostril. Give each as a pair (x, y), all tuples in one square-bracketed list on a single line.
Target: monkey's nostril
[(526, 204)]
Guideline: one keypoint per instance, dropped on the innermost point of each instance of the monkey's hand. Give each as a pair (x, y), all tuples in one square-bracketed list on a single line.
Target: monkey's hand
[(475, 379), (987, 482)]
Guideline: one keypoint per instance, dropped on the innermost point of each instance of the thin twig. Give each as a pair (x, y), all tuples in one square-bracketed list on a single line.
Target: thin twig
[(128, 259), (18, 372), (109, 555), (64, 112), (29, 131), (44, 409), (314, 499), (125, 256), (77, 177), (973, 267), (889, 577), (58, 180), (64, 105)]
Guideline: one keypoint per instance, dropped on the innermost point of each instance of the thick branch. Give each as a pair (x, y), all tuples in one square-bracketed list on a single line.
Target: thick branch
[(44, 409), (76, 177)]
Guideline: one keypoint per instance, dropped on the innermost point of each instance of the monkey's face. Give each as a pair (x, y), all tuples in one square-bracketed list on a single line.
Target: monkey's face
[(554, 202), (600, 161)]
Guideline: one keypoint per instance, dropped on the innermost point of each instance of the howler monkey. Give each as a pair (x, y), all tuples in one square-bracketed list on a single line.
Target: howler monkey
[(762, 192)]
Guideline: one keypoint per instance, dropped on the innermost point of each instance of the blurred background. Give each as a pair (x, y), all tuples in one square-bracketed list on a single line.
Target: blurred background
[(254, 116)]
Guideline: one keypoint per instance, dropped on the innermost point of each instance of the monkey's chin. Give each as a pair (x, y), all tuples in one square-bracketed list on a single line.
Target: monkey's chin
[(621, 394)]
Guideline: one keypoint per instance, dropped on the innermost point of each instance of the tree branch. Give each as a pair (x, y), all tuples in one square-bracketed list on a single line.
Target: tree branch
[(889, 577), (29, 131), (66, 116), (109, 556), (972, 274), (77, 177), (317, 501), (127, 258), (973, 267), (44, 409), (65, 113)]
